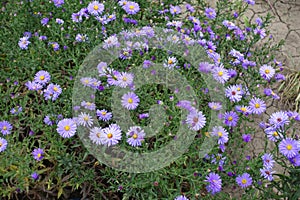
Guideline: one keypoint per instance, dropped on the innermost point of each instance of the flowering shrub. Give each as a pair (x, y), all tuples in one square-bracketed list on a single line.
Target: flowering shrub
[(92, 91)]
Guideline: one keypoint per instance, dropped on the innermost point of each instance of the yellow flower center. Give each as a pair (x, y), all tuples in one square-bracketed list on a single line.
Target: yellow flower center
[(110, 16), (230, 118), (210, 13), (210, 51), (214, 107), (42, 77), (39, 155), (135, 136), (109, 135), (86, 118), (289, 147), (0, 144), (244, 181), (86, 81), (257, 105), (170, 62), (4, 128), (220, 134), (243, 109), (124, 79), (131, 7), (88, 103), (130, 100), (55, 88), (275, 133), (220, 73), (238, 89), (267, 71), (96, 7), (175, 10), (103, 113), (67, 128)]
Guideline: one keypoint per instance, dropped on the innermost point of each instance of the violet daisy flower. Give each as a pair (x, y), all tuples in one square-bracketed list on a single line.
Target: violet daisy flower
[(35, 176), (267, 72), (289, 147), (215, 105), (233, 93), (66, 128), (3, 144), (185, 104), (104, 115), (190, 8), (267, 173), (52, 92), (268, 160), (125, 79), (23, 42), (38, 154), (143, 115), (257, 106), (54, 45), (260, 31), (246, 110), (205, 67), (220, 74), (273, 134), (215, 183), (131, 8), (210, 13), (130, 101), (112, 135), (246, 137), (279, 119), (42, 77), (135, 136), (31, 85), (170, 63), (58, 3), (295, 160), (196, 120), (175, 10), (96, 135), (181, 197), (250, 2), (5, 127), (230, 118), (221, 133), (76, 17), (45, 21), (85, 119), (48, 121), (81, 37), (95, 8), (88, 105), (244, 180)]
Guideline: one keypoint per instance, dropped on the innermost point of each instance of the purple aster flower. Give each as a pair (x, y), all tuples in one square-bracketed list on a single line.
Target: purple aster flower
[(125, 79), (42, 77), (58, 3), (97, 135), (95, 8), (54, 45), (76, 17), (181, 197), (88, 105), (279, 77), (131, 8), (27, 34), (215, 105), (48, 121), (66, 128), (45, 21), (220, 74), (233, 93), (268, 160), (52, 92), (3, 144), (130, 101), (258, 21), (23, 43), (244, 180), (279, 119), (214, 183), (43, 38), (289, 147), (143, 115), (229, 25), (112, 135), (35, 176), (147, 64), (135, 136), (175, 10), (185, 104), (232, 73), (246, 110), (81, 37), (38, 154), (205, 67), (246, 137), (257, 106), (260, 32), (230, 118), (104, 115), (250, 2), (267, 72), (293, 115), (221, 133), (267, 173), (210, 13), (295, 160), (84, 119), (5, 127), (196, 120), (273, 134), (190, 8)]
